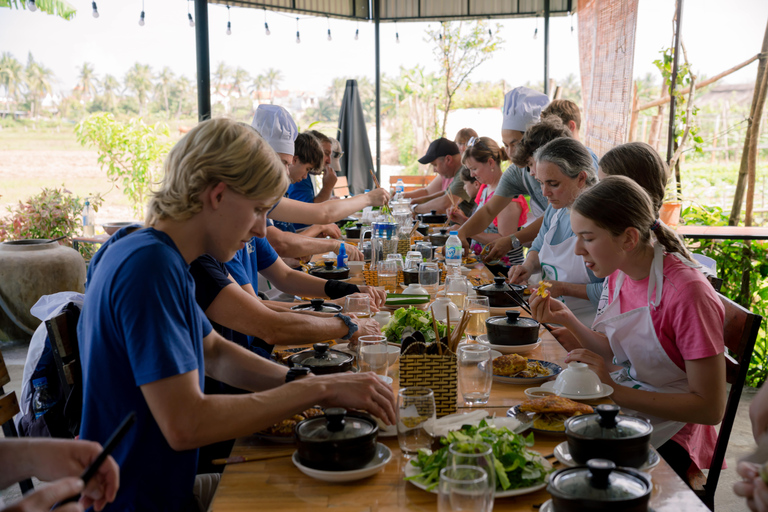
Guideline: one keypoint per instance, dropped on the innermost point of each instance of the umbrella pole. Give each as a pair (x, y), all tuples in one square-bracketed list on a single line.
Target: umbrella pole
[(203, 61), (377, 14)]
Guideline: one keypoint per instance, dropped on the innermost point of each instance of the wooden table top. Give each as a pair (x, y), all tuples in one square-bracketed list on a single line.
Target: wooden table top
[(724, 232), (276, 484)]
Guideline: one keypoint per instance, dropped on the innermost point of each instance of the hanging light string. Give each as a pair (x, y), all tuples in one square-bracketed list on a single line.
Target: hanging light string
[(397, 34), (266, 25), (298, 36), (357, 31), (189, 15), (570, 17), (328, 19), (229, 23), (141, 18), (536, 32), (95, 12)]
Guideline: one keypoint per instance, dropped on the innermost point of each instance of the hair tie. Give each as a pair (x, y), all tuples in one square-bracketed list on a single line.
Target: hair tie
[(655, 225)]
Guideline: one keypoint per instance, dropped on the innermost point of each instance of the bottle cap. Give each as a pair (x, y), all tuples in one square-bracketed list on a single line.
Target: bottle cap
[(454, 233)]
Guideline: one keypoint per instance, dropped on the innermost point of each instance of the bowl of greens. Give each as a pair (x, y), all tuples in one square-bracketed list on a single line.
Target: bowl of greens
[(406, 321)]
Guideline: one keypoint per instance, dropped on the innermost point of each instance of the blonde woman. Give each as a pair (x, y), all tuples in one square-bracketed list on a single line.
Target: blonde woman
[(146, 345)]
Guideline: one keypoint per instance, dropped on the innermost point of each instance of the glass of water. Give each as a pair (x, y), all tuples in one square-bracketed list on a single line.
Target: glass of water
[(475, 372), (358, 305), (415, 419), (372, 354), (473, 453), (479, 310), (388, 274), (464, 488), (429, 277)]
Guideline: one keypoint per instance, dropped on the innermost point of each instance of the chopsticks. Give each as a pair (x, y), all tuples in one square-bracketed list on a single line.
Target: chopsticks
[(437, 331), (523, 304), (276, 454), (455, 336), (375, 180)]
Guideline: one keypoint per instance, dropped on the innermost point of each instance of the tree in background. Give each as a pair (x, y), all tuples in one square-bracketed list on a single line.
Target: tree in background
[(138, 79), (109, 91), (459, 49), (221, 76), (184, 95), (87, 83), (11, 77), (258, 84), (165, 79), (58, 8), (39, 83), (272, 79)]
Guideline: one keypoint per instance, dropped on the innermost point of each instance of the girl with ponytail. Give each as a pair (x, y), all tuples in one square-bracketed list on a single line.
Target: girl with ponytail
[(658, 334)]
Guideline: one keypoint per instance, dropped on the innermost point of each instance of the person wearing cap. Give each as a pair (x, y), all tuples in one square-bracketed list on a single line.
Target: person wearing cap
[(445, 158)]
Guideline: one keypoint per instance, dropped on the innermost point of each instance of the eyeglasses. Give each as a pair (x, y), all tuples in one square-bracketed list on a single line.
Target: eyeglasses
[(337, 154)]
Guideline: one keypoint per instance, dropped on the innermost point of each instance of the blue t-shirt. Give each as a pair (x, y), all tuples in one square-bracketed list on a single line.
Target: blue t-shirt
[(117, 235), (303, 191), (248, 261), (140, 324)]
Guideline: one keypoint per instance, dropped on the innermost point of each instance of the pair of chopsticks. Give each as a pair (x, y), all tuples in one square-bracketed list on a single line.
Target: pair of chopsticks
[(455, 336), (523, 304), (437, 331), (375, 180), (275, 454)]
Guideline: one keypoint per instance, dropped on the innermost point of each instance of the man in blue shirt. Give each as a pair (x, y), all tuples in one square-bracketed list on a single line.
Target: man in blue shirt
[(146, 345)]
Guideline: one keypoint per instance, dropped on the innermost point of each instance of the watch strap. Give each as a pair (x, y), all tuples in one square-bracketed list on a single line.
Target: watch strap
[(352, 326)]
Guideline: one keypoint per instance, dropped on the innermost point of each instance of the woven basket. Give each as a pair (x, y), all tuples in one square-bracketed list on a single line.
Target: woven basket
[(438, 373), (372, 276)]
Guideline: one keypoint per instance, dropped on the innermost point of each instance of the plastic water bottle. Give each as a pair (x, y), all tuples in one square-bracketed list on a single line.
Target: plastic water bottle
[(88, 220), (342, 258), (453, 250), (42, 400), (399, 187), (366, 191)]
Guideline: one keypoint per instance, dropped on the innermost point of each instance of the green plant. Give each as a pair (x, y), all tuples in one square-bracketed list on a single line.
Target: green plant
[(743, 266), (131, 153), (51, 214)]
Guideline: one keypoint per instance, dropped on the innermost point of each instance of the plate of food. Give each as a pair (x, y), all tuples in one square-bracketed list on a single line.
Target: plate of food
[(530, 474), (563, 454), (509, 349), (517, 369), (282, 433), (549, 413)]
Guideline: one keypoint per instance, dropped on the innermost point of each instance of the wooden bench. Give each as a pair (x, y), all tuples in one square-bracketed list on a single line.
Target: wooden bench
[(412, 182)]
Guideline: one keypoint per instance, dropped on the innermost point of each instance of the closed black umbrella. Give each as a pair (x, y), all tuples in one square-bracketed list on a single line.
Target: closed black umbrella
[(353, 137)]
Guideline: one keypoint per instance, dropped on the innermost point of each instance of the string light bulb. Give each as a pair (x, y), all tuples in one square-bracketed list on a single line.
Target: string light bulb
[(31, 5), (229, 23), (536, 32), (397, 34), (189, 15), (298, 36), (329, 28), (95, 12), (266, 25), (141, 18), (570, 16)]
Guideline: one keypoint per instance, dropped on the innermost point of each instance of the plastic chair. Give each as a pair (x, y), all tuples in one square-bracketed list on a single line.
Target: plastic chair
[(740, 330), (9, 407)]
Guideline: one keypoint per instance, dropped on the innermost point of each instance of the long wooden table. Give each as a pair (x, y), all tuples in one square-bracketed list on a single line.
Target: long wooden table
[(276, 484), (724, 232)]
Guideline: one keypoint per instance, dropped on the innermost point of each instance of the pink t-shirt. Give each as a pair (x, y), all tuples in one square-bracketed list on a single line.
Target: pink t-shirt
[(446, 183), (689, 325)]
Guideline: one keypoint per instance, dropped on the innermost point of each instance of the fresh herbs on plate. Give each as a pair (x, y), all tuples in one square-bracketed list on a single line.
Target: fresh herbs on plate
[(412, 319), (516, 466)]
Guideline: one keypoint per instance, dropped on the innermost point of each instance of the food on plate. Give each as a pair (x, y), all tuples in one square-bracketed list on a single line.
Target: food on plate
[(478, 280), (542, 290), (521, 467), (552, 411), (285, 427), (409, 320), (515, 365)]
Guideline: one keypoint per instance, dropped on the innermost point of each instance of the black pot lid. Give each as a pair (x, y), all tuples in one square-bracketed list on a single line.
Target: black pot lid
[(605, 423), (336, 425), (318, 305), (599, 480), (499, 284), (321, 356), (328, 268), (512, 318)]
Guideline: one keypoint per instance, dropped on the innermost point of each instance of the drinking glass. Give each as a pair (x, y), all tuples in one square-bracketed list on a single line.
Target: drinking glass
[(388, 275), (415, 418), (479, 309), (456, 289), (429, 277), (397, 258), (465, 489), (475, 372), (372, 354), (475, 454), (413, 259), (358, 305)]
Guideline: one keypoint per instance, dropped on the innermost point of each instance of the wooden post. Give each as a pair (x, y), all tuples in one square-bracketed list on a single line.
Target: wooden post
[(645, 126), (633, 120)]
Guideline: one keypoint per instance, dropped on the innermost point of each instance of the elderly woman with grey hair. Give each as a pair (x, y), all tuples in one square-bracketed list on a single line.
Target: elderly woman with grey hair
[(564, 169)]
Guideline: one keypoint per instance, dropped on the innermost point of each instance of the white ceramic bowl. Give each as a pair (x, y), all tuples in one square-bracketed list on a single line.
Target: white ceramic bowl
[(577, 380), (393, 353)]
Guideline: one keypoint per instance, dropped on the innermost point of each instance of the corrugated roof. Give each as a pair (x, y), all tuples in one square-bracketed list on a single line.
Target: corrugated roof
[(411, 10)]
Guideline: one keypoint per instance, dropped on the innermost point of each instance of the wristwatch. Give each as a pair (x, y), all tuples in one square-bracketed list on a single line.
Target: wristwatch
[(296, 372), (515, 242)]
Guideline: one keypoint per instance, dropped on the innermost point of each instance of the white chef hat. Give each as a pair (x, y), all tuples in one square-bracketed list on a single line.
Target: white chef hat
[(522, 108), (276, 125)]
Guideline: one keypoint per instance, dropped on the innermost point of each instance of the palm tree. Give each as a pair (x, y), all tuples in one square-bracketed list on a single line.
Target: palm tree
[(239, 79), (221, 76), (11, 77), (87, 81), (258, 84), (109, 87), (182, 87), (272, 79), (164, 81), (39, 83), (138, 79)]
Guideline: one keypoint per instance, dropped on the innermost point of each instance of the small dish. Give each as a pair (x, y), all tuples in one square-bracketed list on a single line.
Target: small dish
[(510, 349), (562, 453), (382, 457), (385, 379), (606, 391), (553, 368)]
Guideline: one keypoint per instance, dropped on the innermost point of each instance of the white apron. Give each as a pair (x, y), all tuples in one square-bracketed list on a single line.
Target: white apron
[(560, 263), (635, 346)]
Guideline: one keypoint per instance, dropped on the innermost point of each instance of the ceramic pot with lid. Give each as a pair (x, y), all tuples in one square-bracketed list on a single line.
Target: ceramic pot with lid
[(599, 486), (338, 441), (322, 360), (423, 229), (433, 217), (354, 231), (512, 329), (318, 305), (330, 271), (605, 434), (439, 239), (497, 292)]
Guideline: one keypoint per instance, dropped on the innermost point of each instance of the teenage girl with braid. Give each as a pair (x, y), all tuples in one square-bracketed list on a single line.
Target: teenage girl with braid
[(658, 333)]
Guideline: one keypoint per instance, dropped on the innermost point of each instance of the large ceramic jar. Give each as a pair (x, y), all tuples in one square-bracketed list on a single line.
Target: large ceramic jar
[(30, 269)]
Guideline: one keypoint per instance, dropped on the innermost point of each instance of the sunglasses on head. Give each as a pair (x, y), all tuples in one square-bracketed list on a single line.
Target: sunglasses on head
[(475, 140), (337, 154)]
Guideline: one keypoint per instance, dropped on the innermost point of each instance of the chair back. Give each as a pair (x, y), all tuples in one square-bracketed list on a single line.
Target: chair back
[(9, 407), (740, 328), (62, 334)]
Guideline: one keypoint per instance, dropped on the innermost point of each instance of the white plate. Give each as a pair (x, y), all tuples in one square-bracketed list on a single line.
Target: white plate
[(553, 368), (411, 470), (510, 349), (564, 456), (605, 391), (383, 455)]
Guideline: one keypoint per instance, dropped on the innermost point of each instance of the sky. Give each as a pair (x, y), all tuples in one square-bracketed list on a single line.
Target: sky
[(718, 35)]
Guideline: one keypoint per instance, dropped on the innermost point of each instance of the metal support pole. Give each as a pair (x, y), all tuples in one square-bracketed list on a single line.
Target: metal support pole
[(377, 18), (546, 46), (203, 61), (673, 80)]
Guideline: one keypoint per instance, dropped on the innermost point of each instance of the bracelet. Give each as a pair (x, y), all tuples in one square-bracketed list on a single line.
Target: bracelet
[(352, 326), (338, 289)]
